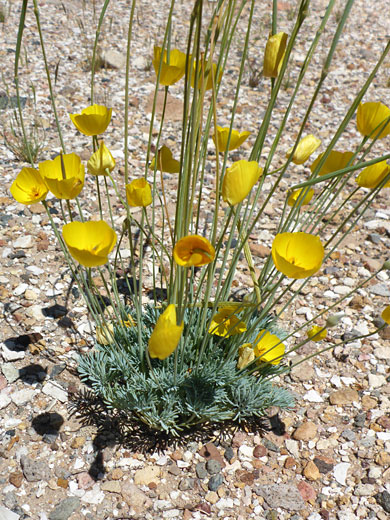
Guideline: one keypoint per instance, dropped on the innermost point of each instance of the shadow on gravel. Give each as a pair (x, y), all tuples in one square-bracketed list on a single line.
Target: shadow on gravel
[(48, 425), (116, 428), (32, 374), (19, 343)]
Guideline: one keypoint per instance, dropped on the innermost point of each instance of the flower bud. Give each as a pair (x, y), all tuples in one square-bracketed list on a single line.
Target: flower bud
[(332, 321)]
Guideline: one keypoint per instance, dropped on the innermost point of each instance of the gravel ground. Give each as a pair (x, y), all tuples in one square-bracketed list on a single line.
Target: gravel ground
[(330, 456)]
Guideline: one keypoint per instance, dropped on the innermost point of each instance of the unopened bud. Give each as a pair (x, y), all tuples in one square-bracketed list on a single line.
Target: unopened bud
[(386, 265), (332, 321)]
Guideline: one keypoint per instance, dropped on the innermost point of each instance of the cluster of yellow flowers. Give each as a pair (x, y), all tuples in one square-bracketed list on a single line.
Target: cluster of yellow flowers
[(296, 255)]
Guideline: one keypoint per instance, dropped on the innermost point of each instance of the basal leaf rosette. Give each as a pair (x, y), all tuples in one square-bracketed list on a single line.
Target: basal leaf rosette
[(373, 175), (371, 117), (64, 175), (29, 187), (274, 54), (193, 251), (297, 255), (166, 334), (239, 179), (225, 323), (89, 243), (334, 162), (138, 193), (101, 161), (305, 148), (93, 120), (236, 138), (173, 71)]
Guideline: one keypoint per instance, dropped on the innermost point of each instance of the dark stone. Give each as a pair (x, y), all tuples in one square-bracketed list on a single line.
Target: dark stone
[(323, 465), (270, 445), (173, 469), (56, 370), (201, 471), (359, 420), (383, 500), (34, 470), (324, 513), (374, 238), (229, 454), (349, 435), (17, 254), (215, 482), (213, 466), (65, 508), (50, 437)]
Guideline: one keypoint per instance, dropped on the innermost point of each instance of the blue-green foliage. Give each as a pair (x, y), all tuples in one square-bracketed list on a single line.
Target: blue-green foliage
[(213, 392)]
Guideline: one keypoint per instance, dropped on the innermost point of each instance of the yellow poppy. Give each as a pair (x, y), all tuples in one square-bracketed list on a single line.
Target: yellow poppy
[(105, 334), (297, 255), (317, 333), (64, 175), (173, 71), (373, 175), (236, 138), (166, 334), (297, 195), (193, 250), (207, 76), (274, 54), (268, 347), (239, 179), (386, 314), (93, 120), (138, 193), (101, 160), (165, 161), (373, 118), (334, 162), (29, 187), (225, 323), (89, 243), (246, 355), (305, 148)]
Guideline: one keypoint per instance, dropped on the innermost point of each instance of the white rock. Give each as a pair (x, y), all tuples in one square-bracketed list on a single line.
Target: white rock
[(23, 396), (245, 452), (6, 514), (336, 381), (292, 447), (20, 289), (340, 472), (94, 495), (330, 294), (225, 503), (12, 355), (35, 270), (382, 352), (4, 400), (376, 381), (383, 436), (56, 391), (78, 464), (375, 472), (35, 311), (364, 490), (131, 463), (313, 397), (6, 252), (23, 242)]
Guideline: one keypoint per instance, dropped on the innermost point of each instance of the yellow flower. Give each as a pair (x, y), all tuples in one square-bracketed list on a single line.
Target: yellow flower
[(317, 333), (207, 76), (174, 70), (246, 355), (225, 323), (129, 323), (165, 161), (64, 175), (305, 148), (89, 243), (334, 162), (268, 347), (386, 315), (29, 187), (297, 255), (166, 334), (274, 54), (93, 120), (105, 334), (138, 193), (239, 179), (371, 118), (101, 160), (236, 139), (297, 195), (193, 250), (373, 175)]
